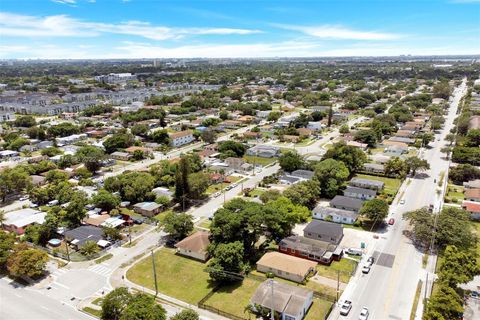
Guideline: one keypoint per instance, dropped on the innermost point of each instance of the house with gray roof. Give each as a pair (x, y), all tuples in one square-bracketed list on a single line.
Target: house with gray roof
[(334, 214), (148, 209), (346, 203), (374, 167), (359, 193), (366, 183), (291, 302), (324, 231)]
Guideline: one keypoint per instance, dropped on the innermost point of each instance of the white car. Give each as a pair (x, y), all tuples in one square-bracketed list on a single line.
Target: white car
[(346, 307), (366, 269), (23, 198), (363, 314), (402, 201)]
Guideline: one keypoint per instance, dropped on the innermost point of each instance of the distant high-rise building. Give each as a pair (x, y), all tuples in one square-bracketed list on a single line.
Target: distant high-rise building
[(156, 63)]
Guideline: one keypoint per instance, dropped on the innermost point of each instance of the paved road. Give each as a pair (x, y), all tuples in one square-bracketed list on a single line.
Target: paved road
[(26, 304), (389, 289)]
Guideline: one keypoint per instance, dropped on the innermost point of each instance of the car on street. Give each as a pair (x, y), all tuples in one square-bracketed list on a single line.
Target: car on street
[(391, 221), (370, 260), (354, 251), (33, 205), (216, 194), (364, 314), (345, 307), (366, 269), (402, 201)]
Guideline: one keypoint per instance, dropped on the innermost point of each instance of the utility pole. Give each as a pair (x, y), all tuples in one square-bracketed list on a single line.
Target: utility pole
[(338, 283), (130, 233), (272, 315), (154, 274), (68, 253)]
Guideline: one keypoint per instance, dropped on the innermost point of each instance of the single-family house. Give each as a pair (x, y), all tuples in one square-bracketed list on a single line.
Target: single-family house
[(119, 155), (264, 151), (289, 180), (473, 208), (334, 214), (315, 125), (303, 174), (346, 203), (8, 154), (181, 138), (132, 149), (359, 193), (291, 302), (286, 266), (148, 209), (366, 183), (162, 191), (83, 234), (319, 251), (17, 221), (374, 167), (324, 231), (472, 195), (472, 184), (194, 246)]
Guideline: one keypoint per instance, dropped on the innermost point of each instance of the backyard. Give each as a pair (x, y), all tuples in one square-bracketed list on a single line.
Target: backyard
[(391, 185), (454, 194), (259, 160), (345, 266)]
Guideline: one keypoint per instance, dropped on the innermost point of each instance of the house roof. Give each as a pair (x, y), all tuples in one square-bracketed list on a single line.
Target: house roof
[(286, 263), (346, 202), (358, 190), (472, 184), (472, 193), (374, 166), (325, 228), (132, 149), (149, 206), (85, 233), (312, 246), (286, 298), (367, 182), (197, 242), (307, 174), (471, 206), (335, 211), (96, 219), (180, 134), (24, 217)]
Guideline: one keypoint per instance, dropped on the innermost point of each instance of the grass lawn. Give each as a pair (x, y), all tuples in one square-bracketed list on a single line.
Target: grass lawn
[(476, 229), (94, 312), (257, 192), (454, 194), (318, 309), (376, 150), (391, 185), (259, 160), (345, 266), (104, 258), (216, 187), (205, 224), (131, 213), (179, 277), (162, 215), (305, 142), (235, 297), (98, 301)]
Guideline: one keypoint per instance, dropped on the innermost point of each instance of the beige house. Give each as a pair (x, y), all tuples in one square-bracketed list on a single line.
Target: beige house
[(286, 266), (194, 246)]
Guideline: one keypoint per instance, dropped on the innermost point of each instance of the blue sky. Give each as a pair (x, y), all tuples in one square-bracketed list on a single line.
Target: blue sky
[(105, 29)]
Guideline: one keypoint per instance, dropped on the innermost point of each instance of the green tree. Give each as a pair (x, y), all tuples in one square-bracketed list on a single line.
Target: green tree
[(133, 186), (56, 176), (142, 306), (396, 167), (305, 193), (160, 136), (444, 304), (139, 130), (472, 139), (290, 161), (351, 156), (274, 116), (415, 164), (281, 215), (422, 223), (112, 233), (436, 122), (454, 228), (178, 225), (344, 129), (75, 211), (115, 303), (458, 266), (89, 248), (463, 173), (209, 136), (118, 141), (63, 129), (375, 210), (366, 136), (186, 314), (237, 148), (182, 187), (331, 174), (227, 261), (270, 195), (442, 90), (198, 183), (7, 240), (27, 263), (13, 180), (51, 151), (105, 200), (25, 121), (91, 156)]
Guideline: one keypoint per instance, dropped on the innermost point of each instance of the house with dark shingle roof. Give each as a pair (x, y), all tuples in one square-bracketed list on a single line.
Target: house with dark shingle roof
[(346, 203), (367, 183), (359, 193), (324, 231)]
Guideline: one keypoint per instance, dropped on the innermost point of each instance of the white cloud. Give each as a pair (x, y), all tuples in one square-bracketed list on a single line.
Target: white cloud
[(15, 25), (65, 1), (339, 32)]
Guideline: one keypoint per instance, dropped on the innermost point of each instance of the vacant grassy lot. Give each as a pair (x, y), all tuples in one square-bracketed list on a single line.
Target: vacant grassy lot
[(345, 266), (179, 277), (318, 309), (235, 297), (259, 160), (454, 194)]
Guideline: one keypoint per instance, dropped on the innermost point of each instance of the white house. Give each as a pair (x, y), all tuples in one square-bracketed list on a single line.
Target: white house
[(181, 138), (334, 214)]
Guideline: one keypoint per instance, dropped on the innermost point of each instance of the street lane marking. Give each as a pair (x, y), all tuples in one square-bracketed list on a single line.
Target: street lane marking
[(61, 285)]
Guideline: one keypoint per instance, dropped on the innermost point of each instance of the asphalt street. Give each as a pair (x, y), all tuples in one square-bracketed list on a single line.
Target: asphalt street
[(388, 290)]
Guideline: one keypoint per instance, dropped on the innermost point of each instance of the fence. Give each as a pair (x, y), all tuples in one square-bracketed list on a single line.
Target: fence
[(202, 304)]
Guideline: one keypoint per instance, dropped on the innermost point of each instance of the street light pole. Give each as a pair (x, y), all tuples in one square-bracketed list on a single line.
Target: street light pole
[(154, 274)]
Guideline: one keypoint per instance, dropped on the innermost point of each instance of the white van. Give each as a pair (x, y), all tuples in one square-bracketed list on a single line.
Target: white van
[(354, 251), (53, 203)]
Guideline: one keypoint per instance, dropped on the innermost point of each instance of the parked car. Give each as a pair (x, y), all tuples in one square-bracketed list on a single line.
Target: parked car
[(53, 203), (346, 307), (23, 198), (354, 251), (364, 314), (33, 205), (391, 221), (370, 260), (402, 201), (366, 269)]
